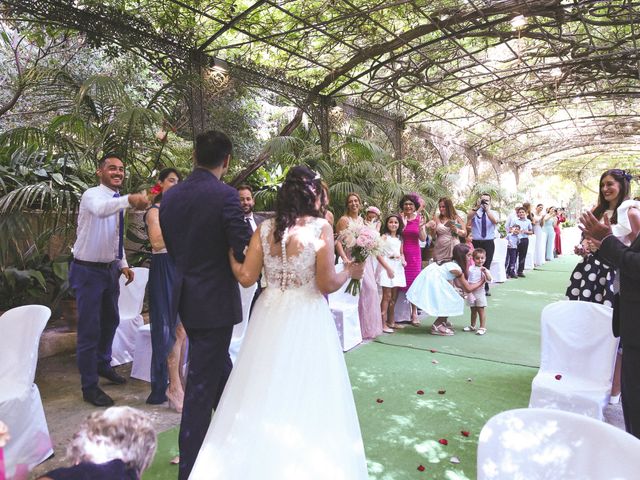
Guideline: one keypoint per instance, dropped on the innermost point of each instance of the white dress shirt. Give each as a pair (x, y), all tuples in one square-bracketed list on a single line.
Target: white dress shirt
[(98, 224)]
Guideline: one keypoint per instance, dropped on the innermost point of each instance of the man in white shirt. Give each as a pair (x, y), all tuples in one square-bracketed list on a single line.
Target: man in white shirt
[(97, 265)]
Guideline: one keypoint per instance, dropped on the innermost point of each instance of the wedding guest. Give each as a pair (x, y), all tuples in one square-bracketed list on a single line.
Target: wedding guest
[(626, 314), (328, 214), (369, 299), (592, 280), (168, 338), (538, 216), (248, 203), (548, 225), (201, 221), (481, 221), (98, 262), (557, 228), (477, 299), (446, 228), (414, 231), (372, 216), (116, 444), (439, 290), (526, 229), (392, 274), (513, 237)]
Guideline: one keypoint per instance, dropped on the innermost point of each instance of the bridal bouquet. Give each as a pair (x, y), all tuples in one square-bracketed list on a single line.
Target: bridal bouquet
[(363, 240)]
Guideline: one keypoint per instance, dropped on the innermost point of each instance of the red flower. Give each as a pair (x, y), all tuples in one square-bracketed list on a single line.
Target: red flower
[(379, 400), (420, 392), (464, 433), (156, 189), (442, 392), (443, 441), (433, 351), (558, 377), (420, 468)]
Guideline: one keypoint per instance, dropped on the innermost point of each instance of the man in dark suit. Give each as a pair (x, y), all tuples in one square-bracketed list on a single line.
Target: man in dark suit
[(247, 203), (201, 220), (626, 311)]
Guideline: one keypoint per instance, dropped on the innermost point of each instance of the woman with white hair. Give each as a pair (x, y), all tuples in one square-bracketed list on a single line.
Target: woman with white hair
[(116, 444)]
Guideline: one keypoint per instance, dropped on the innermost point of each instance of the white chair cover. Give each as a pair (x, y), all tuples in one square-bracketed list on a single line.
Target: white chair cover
[(529, 260), (20, 403), (498, 271), (130, 306), (544, 444), (239, 329), (344, 307), (141, 366), (540, 250), (578, 346)]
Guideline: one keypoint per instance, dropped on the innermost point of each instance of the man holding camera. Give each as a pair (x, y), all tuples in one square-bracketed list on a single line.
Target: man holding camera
[(481, 221)]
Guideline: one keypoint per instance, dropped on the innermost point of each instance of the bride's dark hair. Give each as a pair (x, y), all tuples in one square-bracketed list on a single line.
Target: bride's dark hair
[(297, 197)]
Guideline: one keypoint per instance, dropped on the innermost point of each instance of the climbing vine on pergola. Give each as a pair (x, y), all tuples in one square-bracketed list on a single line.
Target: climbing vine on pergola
[(522, 84)]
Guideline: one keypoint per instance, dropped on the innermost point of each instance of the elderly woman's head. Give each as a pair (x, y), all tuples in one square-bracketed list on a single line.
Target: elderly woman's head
[(117, 433)]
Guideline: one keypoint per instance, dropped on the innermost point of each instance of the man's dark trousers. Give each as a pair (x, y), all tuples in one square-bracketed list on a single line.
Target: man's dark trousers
[(523, 247), (97, 291), (207, 347)]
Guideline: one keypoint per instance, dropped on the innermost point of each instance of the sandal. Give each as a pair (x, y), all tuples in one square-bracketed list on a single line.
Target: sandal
[(469, 329), (441, 330), (388, 330), (481, 331), (396, 326)]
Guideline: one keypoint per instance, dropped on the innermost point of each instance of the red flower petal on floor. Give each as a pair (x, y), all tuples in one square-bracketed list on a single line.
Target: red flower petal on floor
[(464, 433), (379, 400), (442, 392), (420, 468), (433, 351), (420, 392), (443, 441), (558, 377)]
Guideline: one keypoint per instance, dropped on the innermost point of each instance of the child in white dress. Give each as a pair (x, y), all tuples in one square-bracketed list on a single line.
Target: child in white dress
[(392, 272), (433, 289), (477, 299)]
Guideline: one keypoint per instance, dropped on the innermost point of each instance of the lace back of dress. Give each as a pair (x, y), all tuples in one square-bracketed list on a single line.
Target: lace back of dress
[(294, 271)]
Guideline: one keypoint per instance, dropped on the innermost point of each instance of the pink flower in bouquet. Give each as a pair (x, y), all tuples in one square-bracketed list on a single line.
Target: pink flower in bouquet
[(362, 240)]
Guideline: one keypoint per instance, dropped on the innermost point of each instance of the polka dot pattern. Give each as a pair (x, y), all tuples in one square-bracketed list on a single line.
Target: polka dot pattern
[(591, 281)]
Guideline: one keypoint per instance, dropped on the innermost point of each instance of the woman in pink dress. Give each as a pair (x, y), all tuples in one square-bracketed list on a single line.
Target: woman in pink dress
[(556, 228), (369, 300), (414, 231)]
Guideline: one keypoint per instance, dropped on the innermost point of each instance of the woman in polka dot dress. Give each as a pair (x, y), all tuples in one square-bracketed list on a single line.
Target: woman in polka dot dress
[(593, 280)]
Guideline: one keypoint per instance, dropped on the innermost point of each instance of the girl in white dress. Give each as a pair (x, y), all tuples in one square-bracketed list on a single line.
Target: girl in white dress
[(392, 271), (433, 289), (287, 411)]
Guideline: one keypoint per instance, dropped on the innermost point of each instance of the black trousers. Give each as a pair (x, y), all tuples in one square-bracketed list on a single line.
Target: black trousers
[(490, 247), (631, 389), (523, 247), (209, 369), (512, 257)]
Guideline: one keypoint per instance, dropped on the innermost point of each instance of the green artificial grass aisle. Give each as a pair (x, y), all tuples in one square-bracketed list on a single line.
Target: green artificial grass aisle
[(464, 380)]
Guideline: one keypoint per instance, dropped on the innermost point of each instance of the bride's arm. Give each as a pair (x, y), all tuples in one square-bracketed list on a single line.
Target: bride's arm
[(247, 273), (326, 277)]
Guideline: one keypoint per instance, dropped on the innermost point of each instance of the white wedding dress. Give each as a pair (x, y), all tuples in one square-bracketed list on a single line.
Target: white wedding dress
[(287, 412)]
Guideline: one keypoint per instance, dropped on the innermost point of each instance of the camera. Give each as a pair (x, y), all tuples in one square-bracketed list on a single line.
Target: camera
[(484, 202)]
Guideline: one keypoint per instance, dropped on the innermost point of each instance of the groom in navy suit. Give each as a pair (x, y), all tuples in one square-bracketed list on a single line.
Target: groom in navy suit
[(201, 220)]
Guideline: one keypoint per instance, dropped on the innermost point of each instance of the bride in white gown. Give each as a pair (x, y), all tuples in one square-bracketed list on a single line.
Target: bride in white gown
[(287, 411)]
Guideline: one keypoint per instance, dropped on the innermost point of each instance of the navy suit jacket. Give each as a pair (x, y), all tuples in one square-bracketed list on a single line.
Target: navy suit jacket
[(200, 220), (626, 308)]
